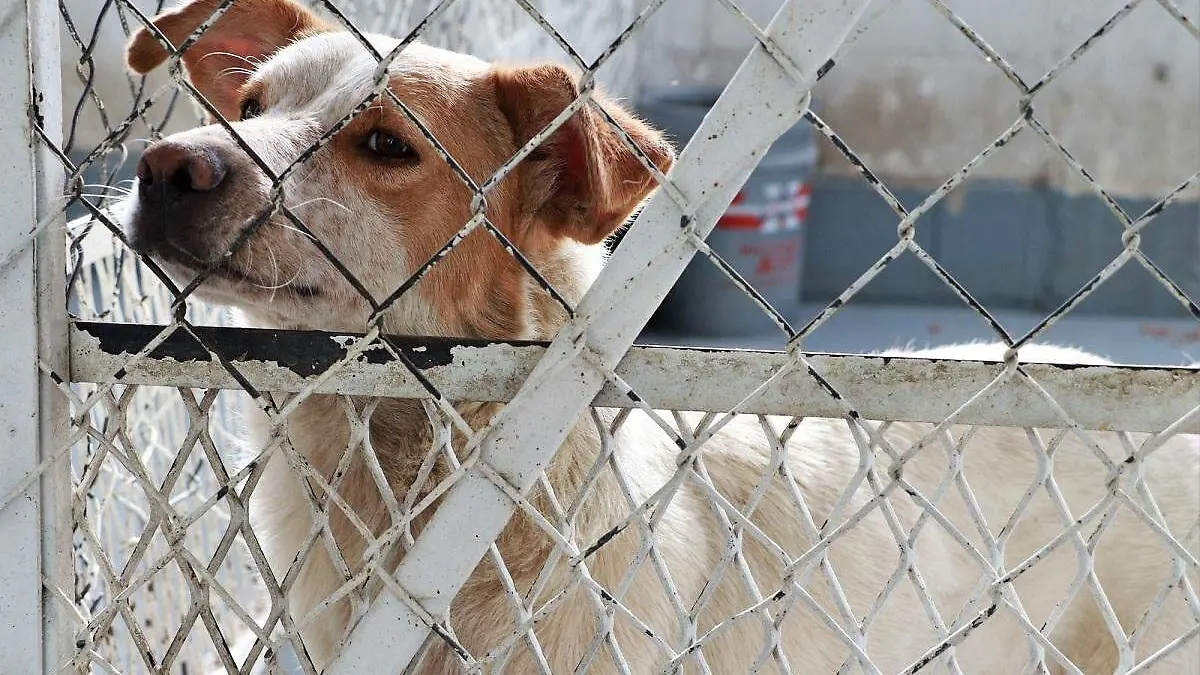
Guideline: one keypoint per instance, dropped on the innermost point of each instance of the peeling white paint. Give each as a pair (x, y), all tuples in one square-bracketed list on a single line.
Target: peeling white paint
[(1103, 397)]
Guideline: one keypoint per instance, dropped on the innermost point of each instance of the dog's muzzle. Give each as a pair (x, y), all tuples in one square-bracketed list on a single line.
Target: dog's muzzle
[(179, 185)]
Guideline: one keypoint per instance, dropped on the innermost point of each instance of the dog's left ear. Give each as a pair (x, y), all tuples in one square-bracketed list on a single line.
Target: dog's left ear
[(583, 181), (219, 62)]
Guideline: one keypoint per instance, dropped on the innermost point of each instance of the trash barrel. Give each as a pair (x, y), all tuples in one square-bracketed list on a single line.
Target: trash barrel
[(761, 234)]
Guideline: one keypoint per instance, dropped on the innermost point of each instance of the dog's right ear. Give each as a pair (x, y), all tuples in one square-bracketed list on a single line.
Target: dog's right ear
[(583, 180), (220, 60)]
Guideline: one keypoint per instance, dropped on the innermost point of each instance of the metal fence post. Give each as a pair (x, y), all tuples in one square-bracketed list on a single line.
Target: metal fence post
[(35, 535)]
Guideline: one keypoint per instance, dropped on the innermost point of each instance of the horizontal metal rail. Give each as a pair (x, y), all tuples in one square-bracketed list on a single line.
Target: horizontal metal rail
[(1118, 398)]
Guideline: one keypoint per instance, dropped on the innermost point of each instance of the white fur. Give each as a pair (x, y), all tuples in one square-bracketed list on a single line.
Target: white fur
[(823, 457)]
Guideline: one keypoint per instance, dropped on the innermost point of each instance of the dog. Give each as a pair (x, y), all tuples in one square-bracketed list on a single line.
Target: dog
[(381, 200)]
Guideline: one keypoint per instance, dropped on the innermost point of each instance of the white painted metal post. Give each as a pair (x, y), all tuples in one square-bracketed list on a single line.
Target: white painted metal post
[(34, 527), (763, 100)]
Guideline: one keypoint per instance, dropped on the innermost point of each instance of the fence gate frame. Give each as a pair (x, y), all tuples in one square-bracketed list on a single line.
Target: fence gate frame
[(35, 531), (592, 359)]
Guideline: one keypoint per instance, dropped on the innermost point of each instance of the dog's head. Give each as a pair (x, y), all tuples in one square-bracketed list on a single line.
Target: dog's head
[(375, 194)]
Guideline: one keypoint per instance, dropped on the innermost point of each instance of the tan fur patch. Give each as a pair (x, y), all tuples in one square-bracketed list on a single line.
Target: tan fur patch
[(245, 34)]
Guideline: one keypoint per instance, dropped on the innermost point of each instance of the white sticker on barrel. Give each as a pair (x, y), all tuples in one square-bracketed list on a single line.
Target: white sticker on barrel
[(784, 207)]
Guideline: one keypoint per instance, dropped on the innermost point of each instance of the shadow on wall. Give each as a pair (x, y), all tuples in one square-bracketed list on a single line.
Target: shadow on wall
[(1011, 246)]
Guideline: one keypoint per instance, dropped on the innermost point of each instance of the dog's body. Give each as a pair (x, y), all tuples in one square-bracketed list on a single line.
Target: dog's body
[(822, 459), (382, 202)]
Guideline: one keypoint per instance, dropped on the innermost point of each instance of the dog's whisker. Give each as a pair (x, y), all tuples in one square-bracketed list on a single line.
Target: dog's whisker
[(110, 191), (297, 231), (245, 58), (287, 283), (274, 272), (276, 286), (103, 186), (249, 256), (235, 70), (335, 202)]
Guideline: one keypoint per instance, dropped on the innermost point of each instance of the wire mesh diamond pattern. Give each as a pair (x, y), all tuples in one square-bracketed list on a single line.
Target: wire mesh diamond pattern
[(826, 544)]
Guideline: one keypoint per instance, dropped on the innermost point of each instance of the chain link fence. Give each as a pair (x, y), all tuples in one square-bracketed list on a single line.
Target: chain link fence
[(328, 495)]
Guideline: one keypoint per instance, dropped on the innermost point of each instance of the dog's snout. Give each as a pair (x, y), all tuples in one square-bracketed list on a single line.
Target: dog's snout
[(177, 169), (176, 194)]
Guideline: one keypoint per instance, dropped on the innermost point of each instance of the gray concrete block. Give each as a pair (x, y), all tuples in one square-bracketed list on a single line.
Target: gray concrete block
[(1087, 237), (1011, 246), (992, 237), (848, 230)]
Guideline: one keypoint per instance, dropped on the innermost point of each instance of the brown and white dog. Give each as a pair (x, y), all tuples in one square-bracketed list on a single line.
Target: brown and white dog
[(382, 201)]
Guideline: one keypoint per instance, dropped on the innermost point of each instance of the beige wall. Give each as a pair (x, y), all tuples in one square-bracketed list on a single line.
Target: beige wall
[(917, 100), (912, 95)]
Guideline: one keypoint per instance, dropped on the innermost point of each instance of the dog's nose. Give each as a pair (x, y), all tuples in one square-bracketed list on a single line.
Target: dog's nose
[(178, 169), (177, 184)]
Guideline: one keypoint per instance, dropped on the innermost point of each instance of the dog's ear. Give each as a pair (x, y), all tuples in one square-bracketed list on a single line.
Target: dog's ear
[(583, 180), (220, 60)]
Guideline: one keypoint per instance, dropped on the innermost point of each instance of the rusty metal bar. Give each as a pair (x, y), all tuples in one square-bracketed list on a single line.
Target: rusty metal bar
[(1109, 397)]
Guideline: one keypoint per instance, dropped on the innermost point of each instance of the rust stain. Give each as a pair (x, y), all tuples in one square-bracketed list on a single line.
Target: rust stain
[(1156, 331)]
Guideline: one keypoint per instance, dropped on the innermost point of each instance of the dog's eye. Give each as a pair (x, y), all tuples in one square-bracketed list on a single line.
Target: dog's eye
[(388, 146), (251, 108)]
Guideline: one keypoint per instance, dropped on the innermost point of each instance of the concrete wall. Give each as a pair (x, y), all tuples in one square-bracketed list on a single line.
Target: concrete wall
[(918, 100)]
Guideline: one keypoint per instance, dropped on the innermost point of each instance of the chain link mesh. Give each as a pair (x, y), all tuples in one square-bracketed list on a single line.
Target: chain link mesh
[(172, 575)]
